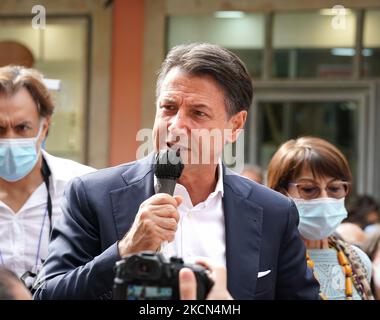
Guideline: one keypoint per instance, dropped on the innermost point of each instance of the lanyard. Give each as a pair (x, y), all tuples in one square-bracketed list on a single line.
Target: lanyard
[(45, 171), (38, 245), (39, 241)]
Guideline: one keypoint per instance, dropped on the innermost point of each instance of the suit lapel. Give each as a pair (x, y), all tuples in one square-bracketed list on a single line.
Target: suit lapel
[(243, 221), (126, 200)]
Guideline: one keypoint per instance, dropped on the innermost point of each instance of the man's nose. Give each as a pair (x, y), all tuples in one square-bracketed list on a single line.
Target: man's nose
[(177, 122)]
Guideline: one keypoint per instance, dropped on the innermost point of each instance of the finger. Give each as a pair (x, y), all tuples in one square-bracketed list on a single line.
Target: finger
[(179, 200), (187, 284), (165, 211), (166, 223), (160, 198), (206, 263), (216, 272), (163, 234)]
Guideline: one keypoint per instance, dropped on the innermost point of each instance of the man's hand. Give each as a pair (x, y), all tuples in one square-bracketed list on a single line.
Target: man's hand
[(188, 283), (155, 222)]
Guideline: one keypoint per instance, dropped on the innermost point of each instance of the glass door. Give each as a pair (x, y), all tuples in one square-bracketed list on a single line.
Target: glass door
[(336, 115), (60, 52)]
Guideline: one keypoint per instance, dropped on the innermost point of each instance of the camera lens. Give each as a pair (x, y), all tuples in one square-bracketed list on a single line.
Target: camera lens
[(143, 268)]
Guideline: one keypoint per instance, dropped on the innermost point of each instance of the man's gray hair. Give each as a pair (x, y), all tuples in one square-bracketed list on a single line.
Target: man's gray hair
[(221, 64)]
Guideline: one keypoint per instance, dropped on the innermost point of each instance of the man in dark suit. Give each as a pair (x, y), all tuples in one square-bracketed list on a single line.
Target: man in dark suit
[(246, 227)]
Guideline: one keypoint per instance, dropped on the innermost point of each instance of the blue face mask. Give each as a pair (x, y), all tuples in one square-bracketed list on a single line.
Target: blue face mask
[(18, 157), (320, 217)]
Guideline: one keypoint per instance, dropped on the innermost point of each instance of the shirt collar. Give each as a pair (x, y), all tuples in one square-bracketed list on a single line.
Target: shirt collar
[(219, 188), (219, 185)]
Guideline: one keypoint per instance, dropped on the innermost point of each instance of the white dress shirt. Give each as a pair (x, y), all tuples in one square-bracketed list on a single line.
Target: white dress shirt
[(201, 229), (24, 236)]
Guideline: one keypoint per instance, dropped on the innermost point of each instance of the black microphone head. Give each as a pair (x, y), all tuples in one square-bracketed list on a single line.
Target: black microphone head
[(168, 164)]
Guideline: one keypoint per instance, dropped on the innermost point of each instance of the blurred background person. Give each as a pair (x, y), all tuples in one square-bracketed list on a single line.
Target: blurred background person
[(372, 248), (372, 228), (351, 233), (316, 175), (31, 180), (363, 210), (11, 288), (253, 172)]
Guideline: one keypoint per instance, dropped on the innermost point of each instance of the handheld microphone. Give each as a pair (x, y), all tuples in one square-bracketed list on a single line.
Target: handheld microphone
[(168, 168)]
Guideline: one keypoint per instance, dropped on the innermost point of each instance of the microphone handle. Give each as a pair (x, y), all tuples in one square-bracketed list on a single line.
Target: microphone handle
[(165, 186)]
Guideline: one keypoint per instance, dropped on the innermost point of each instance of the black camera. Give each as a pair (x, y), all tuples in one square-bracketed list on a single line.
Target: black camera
[(149, 276)]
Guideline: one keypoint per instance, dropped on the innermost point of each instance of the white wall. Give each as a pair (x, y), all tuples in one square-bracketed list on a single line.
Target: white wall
[(242, 33)]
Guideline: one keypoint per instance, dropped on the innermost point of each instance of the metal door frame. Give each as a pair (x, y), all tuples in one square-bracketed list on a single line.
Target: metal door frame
[(365, 92)]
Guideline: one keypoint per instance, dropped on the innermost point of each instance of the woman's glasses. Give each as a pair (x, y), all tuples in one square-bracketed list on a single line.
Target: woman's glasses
[(310, 190)]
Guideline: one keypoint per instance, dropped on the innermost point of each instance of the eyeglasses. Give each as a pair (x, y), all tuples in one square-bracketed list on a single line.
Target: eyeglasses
[(310, 190)]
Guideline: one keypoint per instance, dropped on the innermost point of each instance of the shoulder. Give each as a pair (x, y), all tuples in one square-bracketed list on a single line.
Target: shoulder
[(279, 213), (115, 177), (365, 260), (65, 169), (105, 176), (255, 192)]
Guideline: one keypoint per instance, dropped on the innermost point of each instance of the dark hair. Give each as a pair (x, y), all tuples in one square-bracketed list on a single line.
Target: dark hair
[(359, 207), (13, 78), (6, 279), (320, 156), (222, 65)]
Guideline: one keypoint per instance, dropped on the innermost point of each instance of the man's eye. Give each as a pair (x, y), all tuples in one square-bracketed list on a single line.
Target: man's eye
[(199, 113), (22, 128), (168, 108)]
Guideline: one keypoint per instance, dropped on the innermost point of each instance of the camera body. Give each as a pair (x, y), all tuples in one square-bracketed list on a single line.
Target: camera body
[(149, 276)]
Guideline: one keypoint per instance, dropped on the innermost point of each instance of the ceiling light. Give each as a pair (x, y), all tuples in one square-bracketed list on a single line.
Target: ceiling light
[(341, 11), (229, 14)]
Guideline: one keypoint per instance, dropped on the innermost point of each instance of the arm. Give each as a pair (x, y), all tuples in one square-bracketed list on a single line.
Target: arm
[(76, 268), (294, 280)]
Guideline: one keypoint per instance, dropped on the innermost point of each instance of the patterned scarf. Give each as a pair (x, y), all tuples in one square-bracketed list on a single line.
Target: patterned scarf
[(359, 273)]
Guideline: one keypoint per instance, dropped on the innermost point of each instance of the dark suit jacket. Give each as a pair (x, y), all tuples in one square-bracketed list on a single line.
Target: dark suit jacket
[(99, 208)]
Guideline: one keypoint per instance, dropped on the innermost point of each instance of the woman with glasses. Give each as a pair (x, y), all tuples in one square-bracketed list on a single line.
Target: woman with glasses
[(316, 175)]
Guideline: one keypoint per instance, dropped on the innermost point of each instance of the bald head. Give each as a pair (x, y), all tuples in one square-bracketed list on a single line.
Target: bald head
[(253, 172), (351, 233)]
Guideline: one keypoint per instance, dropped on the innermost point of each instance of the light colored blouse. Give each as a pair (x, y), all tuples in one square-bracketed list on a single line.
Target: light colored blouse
[(330, 273)]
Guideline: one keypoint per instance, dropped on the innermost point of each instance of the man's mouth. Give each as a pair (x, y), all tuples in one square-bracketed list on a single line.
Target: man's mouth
[(176, 146)]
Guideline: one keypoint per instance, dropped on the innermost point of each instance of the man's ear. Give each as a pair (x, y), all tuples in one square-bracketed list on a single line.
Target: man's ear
[(45, 126), (237, 123)]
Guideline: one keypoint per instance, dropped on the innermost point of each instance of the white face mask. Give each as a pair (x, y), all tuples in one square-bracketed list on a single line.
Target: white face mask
[(320, 217)]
